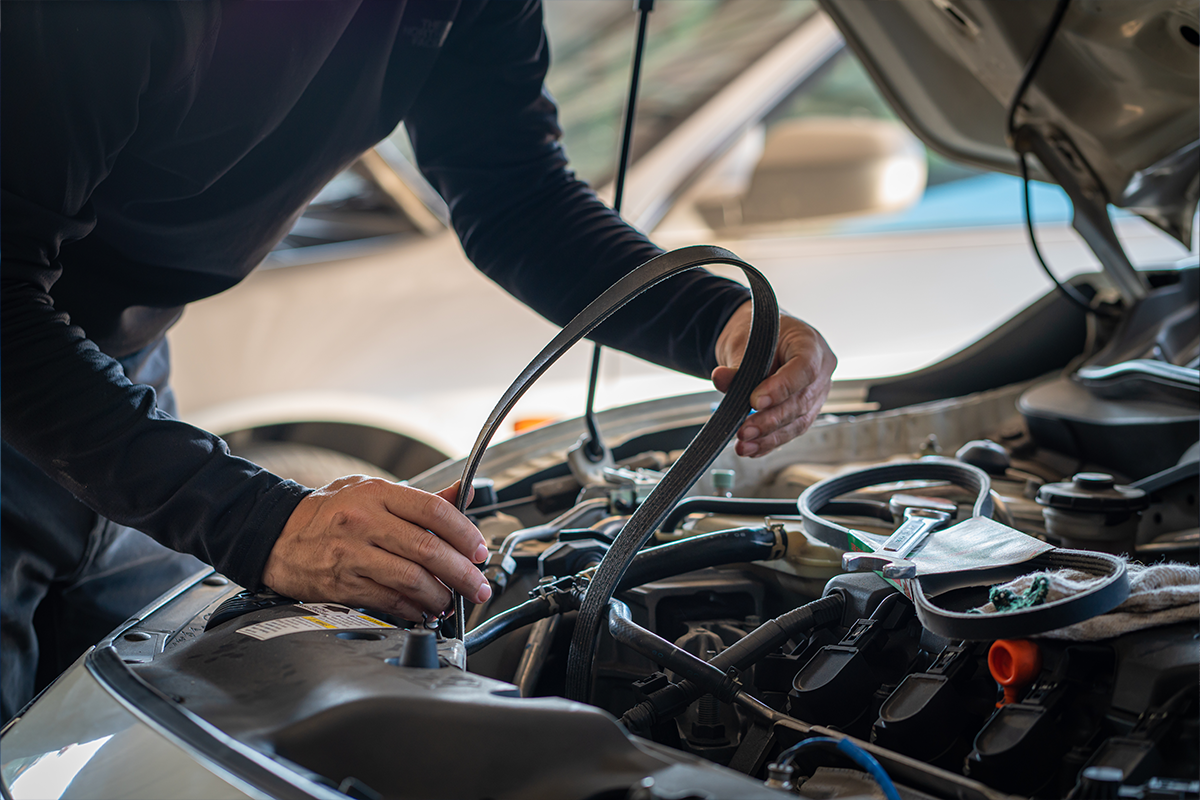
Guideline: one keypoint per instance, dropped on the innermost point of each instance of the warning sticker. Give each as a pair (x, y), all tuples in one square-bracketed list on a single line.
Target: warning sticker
[(324, 617)]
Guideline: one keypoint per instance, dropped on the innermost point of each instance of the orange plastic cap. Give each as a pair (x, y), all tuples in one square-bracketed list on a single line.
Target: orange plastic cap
[(1014, 663)]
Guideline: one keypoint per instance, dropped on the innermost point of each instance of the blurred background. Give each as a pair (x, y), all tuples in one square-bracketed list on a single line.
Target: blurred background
[(368, 332)]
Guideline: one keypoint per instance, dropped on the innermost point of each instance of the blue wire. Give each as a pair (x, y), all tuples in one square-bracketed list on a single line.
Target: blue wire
[(854, 753)]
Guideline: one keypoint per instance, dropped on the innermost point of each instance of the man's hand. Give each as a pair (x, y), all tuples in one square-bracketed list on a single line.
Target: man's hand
[(790, 398), (368, 542)]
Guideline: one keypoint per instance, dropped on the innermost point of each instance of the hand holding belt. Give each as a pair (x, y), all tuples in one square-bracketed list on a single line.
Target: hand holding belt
[(716, 433), (924, 560)]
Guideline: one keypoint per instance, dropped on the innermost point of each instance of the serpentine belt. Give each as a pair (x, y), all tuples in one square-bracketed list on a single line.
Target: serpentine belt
[(720, 427), (978, 551)]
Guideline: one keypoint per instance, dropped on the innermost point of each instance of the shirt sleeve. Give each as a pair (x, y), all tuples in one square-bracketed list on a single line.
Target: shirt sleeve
[(486, 135), (70, 105)]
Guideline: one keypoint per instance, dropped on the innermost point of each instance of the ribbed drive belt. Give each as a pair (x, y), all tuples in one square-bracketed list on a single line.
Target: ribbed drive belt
[(975, 552), (724, 422), (817, 496)]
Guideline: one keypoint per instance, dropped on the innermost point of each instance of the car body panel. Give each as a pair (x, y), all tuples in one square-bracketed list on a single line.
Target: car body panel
[(1119, 82), (80, 742)]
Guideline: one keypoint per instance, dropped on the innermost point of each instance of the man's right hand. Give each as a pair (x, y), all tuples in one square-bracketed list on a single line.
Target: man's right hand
[(368, 542)]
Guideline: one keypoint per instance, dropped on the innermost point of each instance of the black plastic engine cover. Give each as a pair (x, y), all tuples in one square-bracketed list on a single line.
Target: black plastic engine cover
[(331, 703)]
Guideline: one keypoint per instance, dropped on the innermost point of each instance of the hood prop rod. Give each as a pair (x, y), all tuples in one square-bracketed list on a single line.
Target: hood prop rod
[(593, 445)]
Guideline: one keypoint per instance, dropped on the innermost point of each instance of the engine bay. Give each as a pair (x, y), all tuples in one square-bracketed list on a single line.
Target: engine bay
[(740, 659), (965, 596)]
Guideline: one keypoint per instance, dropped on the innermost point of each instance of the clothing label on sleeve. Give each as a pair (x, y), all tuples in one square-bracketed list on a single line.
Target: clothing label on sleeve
[(324, 617)]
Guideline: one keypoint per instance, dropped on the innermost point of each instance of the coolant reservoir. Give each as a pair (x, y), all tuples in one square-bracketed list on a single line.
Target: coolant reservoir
[(1092, 512)]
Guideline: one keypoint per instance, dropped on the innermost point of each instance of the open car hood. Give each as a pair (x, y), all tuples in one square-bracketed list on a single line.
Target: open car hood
[(1115, 96)]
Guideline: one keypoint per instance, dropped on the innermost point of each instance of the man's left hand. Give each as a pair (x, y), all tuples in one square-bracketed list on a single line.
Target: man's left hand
[(790, 398)]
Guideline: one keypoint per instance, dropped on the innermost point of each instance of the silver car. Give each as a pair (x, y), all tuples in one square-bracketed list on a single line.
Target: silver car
[(974, 577)]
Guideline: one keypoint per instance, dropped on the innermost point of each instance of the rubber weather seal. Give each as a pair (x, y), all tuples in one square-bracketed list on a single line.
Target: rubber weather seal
[(699, 455)]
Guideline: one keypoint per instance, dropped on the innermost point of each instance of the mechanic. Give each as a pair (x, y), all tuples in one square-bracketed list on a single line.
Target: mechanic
[(152, 155)]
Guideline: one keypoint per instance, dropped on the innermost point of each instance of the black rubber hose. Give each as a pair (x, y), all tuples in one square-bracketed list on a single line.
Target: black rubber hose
[(760, 507), (670, 701), (722, 685), (514, 618), (627, 632), (655, 563), (581, 515), (706, 550), (740, 506)]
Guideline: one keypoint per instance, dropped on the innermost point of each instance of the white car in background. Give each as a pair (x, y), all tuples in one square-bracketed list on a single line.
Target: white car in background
[(368, 334)]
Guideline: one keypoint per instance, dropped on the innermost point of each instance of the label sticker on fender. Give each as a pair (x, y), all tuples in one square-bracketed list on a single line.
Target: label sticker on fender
[(324, 617)]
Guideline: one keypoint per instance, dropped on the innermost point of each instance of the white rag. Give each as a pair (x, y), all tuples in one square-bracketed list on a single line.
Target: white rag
[(1159, 594)]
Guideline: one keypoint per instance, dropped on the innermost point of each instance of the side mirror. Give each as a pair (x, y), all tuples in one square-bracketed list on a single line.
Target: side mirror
[(822, 168)]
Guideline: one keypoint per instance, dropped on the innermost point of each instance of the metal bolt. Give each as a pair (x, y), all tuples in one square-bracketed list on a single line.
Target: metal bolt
[(779, 776), (709, 710)]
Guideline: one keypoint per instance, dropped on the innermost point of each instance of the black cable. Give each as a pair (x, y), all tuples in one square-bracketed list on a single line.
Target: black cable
[(722, 685), (670, 701), (1068, 291), (1031, 68), (667, 654), (594, 447), (644, 8), (1035, 62)]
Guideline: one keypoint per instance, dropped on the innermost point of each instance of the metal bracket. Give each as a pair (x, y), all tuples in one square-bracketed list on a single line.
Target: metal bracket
[(1059, 156), (586, 471)]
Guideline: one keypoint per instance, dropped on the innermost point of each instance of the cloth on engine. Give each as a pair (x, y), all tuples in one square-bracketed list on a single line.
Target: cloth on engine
[(1159, 594)]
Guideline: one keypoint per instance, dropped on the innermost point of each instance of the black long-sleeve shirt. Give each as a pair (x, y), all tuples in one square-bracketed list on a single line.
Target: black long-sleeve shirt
[(153, 153)]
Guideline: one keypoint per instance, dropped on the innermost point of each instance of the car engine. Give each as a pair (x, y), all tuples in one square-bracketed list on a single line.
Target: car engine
[(781, 632), (740, 658), (391, 711)]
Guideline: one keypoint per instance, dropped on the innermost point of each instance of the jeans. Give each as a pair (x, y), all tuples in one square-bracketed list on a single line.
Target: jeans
[(68, 576)]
